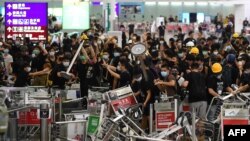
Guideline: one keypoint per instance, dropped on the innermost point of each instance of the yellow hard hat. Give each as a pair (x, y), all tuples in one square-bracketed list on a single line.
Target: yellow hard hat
[(84, 37), (236, 35), (194, 50), (216, 68)]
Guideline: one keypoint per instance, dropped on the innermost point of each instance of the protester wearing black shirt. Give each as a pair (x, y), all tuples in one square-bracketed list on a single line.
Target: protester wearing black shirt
[(161, 29), (215, 87), (22, 78), (121, 72), (196, 85)]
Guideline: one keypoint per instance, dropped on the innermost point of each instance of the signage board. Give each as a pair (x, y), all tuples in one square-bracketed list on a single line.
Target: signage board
[(26, 19)]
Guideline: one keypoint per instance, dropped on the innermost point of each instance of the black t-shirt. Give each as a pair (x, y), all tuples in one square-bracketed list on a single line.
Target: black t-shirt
[(245, 79), (148, 84), (136, 86), (58, 81), (131, 28), (88, 72), (161, 30), (196, 87), (22, 79), (216, 84), (38, 62), (245, 23), (125, 78)]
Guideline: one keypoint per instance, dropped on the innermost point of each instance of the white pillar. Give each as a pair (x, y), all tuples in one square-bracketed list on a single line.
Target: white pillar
[(239, 14), (112, 14)]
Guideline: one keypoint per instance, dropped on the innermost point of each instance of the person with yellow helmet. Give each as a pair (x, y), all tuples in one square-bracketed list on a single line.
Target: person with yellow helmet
[(216, 86), (194, 51)]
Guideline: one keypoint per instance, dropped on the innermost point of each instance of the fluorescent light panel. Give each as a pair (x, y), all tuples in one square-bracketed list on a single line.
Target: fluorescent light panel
[(163, 3), (189, 3), (176, 3), (150, 3), (202, 3)]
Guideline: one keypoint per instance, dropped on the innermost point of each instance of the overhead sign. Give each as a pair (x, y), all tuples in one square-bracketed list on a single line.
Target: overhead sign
[(26, 19)]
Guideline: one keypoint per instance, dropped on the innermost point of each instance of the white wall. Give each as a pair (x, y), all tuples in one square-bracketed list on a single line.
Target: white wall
[(167, 10)]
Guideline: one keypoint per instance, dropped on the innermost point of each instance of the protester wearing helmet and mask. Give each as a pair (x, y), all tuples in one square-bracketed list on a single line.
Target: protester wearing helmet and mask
[(216, 86)]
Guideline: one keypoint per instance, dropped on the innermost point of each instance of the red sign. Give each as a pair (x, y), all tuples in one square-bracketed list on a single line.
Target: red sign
[(35, 33), (164, 119), (29, 117), (124, 103)]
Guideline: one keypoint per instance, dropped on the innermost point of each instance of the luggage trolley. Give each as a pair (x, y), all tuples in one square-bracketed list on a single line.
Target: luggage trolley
[(234, 113), (25, 113)]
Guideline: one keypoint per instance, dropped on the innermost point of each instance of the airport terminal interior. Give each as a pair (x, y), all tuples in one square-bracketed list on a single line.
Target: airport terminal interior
[(124, 70)]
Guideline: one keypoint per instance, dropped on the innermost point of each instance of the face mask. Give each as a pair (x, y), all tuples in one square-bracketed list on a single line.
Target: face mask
[(52, 53), (36, 52), (216, 53), (228, 48), (17, 43), (105, 57), (6, 51), (118, 68), (89, 33), (161, 42), (138, 62), (139, 79), (204, 52), (28, 69), (82, 58), (99, 42), (180, 55), (164, 74), (65, 64), (219, 76), (33, 55), (116, 54)]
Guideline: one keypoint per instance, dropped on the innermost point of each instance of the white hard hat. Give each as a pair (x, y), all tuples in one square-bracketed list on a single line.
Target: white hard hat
[(190, 44)]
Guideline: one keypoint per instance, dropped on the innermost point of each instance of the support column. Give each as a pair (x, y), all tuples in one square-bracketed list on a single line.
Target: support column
[(239, 15)]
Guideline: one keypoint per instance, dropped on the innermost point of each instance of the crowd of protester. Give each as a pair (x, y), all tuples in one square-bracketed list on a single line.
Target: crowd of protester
[(198, 68)]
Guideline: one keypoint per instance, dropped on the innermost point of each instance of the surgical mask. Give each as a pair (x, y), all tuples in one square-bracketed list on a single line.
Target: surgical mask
[(180, 55), (99, 42), (52, 53), (28, 69), (82, 58), (6, 51), (105, 57), (215, 53), (65, 64), (161, 42), (219, 76), (204, 52), (139, 79), (33, 55), (164, 74), (138, 62), (36, 52), (118, 68), (228, 48), (116, 54), (17, 43)]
